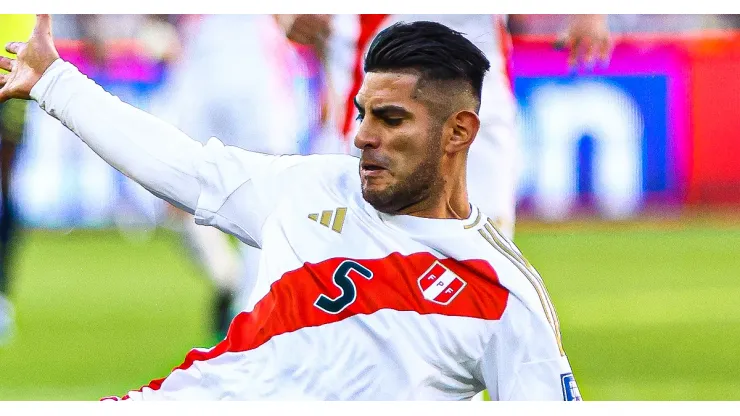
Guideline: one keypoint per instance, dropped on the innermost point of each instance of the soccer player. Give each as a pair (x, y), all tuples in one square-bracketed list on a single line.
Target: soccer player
[(493, 162), (12, 120), (378, 280)]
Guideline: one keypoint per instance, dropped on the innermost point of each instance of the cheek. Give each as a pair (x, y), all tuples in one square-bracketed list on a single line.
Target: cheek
[(408, 153), (411, 138)]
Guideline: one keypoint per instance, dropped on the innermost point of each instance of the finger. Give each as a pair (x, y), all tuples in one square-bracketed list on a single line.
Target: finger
[(321, 33), (15, 47), (6, 63), (574, 46), (606, 47), (570, 44), (299, 38), (303, 23), (285, 21), (585, 53), (4, 94), (43, 25), (589, 54), (317, 23), (324, 31), (326, 22), (302, 35)]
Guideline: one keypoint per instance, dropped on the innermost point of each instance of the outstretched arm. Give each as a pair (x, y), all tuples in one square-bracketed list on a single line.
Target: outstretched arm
[(144, 148), (230, 188), (151, 152)]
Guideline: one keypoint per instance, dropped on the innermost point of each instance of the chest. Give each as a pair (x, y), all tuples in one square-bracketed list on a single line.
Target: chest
[(328, 229), (333, 262)]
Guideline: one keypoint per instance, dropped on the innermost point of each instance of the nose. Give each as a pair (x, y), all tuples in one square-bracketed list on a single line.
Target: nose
[(366, 137)]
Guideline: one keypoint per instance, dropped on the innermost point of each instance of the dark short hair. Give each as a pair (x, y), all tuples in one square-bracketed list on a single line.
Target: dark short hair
[(435, 51)]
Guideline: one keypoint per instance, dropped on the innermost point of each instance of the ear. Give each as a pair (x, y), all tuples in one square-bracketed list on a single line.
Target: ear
[(464, 126)]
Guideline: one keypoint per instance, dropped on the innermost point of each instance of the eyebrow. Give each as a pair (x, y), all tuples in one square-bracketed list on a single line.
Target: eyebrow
[(384, 110)]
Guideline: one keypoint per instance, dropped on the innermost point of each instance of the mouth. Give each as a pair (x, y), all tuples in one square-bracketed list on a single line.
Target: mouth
[(369, 169)]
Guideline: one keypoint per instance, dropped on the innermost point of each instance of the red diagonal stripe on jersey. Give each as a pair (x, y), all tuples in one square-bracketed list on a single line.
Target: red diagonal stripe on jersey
[(429, 278), (289, 306)]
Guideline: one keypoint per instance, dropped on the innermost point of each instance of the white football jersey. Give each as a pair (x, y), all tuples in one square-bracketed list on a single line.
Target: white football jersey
[(350, 303), (354, 304)]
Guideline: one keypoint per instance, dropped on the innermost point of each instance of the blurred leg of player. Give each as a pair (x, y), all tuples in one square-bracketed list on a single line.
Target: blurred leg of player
[(12, 118), (218, 258), (246, 101)]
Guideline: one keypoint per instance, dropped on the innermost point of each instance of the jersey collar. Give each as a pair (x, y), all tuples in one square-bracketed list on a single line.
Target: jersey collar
[(428, 226)]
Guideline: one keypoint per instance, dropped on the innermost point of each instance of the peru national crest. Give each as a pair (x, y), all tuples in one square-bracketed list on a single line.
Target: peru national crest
[(440, 285)]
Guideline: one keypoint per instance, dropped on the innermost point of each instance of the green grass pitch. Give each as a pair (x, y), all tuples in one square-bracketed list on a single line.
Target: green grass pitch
[(647, 313)]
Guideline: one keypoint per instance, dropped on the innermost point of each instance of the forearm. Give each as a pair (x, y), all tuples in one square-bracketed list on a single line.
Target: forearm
[(151, 152)]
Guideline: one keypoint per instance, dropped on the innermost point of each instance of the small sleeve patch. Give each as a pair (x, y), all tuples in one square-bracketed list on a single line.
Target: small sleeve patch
[(570, 389)]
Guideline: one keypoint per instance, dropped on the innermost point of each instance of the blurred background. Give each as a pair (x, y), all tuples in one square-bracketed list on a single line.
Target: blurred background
[(628, 202)]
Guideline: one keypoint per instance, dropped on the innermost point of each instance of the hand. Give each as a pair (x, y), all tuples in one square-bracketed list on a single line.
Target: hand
[(307, 29), (33, 58), (586, 37)]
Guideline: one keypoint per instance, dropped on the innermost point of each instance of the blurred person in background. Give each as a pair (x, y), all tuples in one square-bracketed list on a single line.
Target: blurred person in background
[(175, 42), (161, 38), (493, 166), (344, 39), (96, 30), (248, 101), (547, 24), (104, 45), (245, 93), (12, 121)]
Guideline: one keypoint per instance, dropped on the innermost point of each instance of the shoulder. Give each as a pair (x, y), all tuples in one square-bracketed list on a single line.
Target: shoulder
[(329, 163), (520, 278), (335, 173), (239, 164), (508, 266)]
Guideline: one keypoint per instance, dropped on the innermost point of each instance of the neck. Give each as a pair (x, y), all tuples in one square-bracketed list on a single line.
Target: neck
[(449, 201)]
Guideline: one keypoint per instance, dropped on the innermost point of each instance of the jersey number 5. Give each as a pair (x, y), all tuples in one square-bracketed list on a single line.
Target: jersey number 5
[(344, 282)]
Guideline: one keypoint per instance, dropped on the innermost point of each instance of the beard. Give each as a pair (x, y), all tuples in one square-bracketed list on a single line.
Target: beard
[(411, 189)]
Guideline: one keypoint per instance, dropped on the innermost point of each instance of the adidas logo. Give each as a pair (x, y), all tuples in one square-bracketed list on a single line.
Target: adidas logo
[(326, 218)]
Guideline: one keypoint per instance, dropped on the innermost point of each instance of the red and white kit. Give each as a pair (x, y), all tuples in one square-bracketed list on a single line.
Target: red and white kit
[(349, 303)]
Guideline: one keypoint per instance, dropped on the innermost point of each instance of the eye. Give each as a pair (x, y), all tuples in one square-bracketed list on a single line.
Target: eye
[(393, 122)]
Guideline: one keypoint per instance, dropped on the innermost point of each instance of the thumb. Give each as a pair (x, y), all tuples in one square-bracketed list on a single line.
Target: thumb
[(43, 25)]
